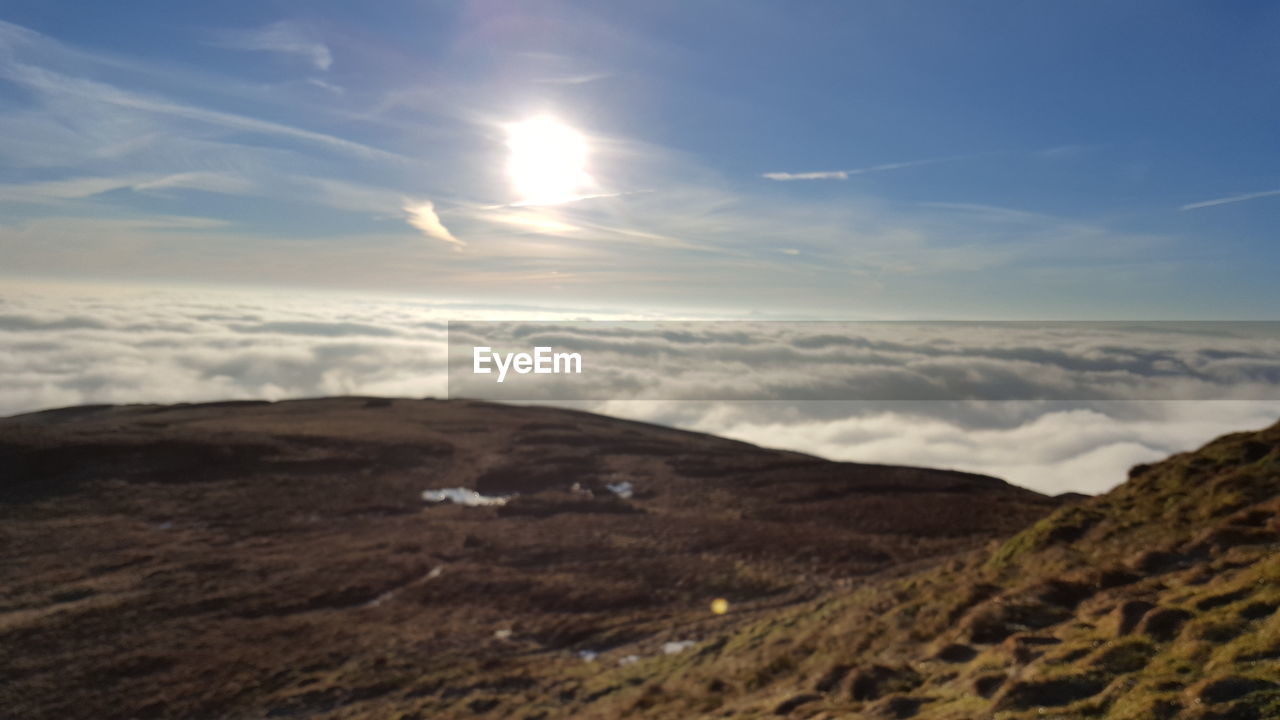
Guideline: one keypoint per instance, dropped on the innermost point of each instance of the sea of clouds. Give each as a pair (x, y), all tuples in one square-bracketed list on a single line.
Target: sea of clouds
[(873, 361), (62, 346)]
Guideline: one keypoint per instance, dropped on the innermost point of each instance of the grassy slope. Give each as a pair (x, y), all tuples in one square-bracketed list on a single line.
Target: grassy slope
[(1156, 600)]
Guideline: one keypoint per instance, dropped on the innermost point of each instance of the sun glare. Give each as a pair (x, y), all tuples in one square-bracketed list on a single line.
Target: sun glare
[(548, 161)]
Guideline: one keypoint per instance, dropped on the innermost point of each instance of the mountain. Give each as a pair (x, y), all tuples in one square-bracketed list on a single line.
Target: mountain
[(1155, 601), (253, 559), (245, 560)]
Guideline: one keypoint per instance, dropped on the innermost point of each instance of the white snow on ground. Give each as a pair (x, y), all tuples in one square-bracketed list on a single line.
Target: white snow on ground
[(623, 489), (669, 648), (463, 496)]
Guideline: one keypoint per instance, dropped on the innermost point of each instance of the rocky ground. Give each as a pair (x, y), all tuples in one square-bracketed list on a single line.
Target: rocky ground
[(247, 560)]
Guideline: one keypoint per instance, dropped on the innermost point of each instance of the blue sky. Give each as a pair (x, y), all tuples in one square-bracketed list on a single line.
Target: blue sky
[(820, 159)]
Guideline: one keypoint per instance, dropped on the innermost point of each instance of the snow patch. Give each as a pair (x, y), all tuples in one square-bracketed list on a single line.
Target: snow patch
[(463, 496), (677, 647), (623, 489)]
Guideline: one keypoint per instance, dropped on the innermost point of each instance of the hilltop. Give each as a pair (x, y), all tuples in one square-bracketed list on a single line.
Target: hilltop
[(253, 559), (1154, 601)]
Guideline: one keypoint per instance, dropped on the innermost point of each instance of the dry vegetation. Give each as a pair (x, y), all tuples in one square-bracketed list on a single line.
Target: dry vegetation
[(274, 561), (1157, 600), (244, 560)]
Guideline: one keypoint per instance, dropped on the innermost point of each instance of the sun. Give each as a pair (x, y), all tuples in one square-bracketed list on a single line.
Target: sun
[(548, 163)]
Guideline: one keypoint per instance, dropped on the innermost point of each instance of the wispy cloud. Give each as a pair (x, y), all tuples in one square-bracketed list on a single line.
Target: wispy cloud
[(581, 79), (529, 219), (98, 131), (1229, 200), (85, 187), (1065, 151), (423, 216), (68, 189), (224, 183), (326, 85), (281, 37), (56, 83), (846, 174)]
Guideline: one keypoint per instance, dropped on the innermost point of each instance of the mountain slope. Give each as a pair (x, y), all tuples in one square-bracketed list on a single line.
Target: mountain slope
[(254, 559), (1156, 600)]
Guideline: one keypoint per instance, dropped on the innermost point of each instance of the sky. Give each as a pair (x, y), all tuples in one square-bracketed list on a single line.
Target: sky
[(282, 198), (996, 160)]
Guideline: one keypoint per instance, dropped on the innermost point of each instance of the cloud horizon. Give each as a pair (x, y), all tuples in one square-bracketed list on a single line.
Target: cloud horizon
[(81, 345)]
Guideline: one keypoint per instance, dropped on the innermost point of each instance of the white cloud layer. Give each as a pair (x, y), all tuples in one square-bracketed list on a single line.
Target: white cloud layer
[(79, 345), (1049, 447), (878, 361), (172, 347)]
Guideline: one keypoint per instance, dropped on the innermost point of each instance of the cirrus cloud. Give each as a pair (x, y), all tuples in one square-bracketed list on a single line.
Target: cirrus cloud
[(280, 37)]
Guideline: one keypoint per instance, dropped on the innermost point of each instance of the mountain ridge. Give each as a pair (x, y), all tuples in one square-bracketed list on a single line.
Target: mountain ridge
[(1155, 600), (248, 559), (276, 560)]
